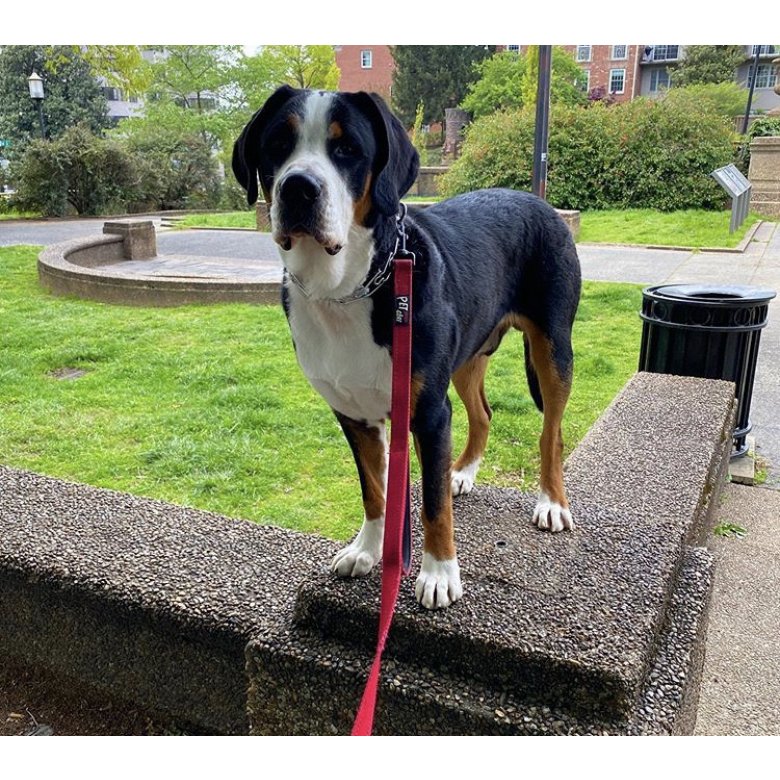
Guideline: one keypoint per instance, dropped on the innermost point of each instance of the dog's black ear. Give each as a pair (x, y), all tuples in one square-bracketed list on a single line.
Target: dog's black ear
[(246, 166), (397, 161)]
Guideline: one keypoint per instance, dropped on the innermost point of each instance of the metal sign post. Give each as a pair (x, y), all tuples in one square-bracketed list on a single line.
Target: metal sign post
[(738, 188)]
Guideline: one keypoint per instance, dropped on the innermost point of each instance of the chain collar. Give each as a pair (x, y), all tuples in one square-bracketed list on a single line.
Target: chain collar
[(372, 283)]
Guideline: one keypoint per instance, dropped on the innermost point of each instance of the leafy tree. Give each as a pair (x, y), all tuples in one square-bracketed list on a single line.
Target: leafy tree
[(192, 77), (120, 66), (305, 67), (726, 99), (503, 83), (72, 93), (437, 76), (707, 65)]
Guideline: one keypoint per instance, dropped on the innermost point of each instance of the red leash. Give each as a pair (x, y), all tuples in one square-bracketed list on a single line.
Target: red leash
[(397, 539)]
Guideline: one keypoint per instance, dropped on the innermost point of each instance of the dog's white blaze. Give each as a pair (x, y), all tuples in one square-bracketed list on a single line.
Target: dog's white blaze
[(337, 353), (365, 551), (438, 584), (551, 516), (463, 479), (323, 275)]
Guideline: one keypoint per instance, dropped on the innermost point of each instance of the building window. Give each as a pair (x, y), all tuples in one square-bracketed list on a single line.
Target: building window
[(659, 79), (515, 49), (665, 53), (617, 81), (766, 77), (583, 53), (111, 93), (584, 81), (763, 50), (366, 59), (619, 52)]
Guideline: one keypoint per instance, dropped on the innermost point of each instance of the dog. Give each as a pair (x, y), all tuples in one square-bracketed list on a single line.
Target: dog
[(333, 166)]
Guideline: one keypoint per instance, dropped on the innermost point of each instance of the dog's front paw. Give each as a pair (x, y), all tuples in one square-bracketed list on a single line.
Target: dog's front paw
[(550, 516), (363, 553), (438, 584), (463, 479)]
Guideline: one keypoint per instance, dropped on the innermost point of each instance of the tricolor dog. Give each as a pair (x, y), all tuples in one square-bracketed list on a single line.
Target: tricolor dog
[(333, 167)]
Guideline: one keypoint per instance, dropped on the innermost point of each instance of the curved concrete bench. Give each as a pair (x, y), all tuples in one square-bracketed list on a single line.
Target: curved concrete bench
[(234, 628), (91, 268)]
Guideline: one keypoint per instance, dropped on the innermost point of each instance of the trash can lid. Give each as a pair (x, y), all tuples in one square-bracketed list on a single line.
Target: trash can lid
[(713, 293)]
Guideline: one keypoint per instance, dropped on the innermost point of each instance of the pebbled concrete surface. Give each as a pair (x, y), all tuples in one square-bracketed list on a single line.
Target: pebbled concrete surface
[(142, 599), (566, 622)]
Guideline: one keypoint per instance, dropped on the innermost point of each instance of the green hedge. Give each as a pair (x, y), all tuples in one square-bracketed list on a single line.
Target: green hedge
[(642, 154)]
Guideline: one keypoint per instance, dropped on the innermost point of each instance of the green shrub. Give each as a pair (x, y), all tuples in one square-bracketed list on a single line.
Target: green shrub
[(77, 171), (640, 154), (175, 171), (727, 99)]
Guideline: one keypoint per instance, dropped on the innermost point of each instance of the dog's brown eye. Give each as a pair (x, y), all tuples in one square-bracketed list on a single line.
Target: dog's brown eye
[(345, 149)]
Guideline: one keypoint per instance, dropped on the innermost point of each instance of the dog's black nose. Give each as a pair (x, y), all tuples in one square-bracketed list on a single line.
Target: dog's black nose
[(300, 189)]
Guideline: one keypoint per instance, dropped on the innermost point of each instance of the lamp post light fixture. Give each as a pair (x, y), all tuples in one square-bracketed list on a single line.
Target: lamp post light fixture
[(35, 83)]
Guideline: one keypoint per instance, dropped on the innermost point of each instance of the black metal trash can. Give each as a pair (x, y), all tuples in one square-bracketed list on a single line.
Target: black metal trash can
[(708, 331)]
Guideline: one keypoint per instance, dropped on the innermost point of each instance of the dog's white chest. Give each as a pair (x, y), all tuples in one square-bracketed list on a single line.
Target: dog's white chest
[(338, 355)]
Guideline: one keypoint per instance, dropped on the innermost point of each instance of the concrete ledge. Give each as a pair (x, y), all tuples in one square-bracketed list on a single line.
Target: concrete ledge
[(146, 601), (78, 268), (597, 631)]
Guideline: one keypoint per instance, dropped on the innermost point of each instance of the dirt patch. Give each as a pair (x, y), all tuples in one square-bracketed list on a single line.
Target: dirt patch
[(32, 703)]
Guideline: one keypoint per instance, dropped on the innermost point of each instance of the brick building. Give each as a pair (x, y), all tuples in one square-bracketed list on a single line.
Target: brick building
[(624, 71), (367, 68)]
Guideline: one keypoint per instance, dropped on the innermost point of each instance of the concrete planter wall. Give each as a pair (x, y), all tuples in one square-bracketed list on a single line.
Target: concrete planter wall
[(764, 175)]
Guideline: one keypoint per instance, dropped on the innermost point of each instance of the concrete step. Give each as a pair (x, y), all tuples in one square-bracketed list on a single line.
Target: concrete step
[(568, 622), (304, 683)]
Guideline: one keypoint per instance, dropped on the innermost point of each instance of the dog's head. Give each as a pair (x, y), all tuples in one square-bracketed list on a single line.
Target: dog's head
[(331, 164)]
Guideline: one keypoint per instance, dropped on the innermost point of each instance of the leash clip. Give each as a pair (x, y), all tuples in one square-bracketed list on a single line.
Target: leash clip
[(401, 250)]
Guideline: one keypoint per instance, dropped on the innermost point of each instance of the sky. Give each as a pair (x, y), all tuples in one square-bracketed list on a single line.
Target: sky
[(394, 22)]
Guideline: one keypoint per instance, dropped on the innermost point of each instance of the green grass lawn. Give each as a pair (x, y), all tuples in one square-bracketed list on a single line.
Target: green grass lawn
[(205, 405), (692, 228), (227, 219)]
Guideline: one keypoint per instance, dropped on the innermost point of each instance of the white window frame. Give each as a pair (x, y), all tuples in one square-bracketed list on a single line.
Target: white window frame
[(367, 59), (586, 74), (514, 48), (656, 73), (624, 56), (766, 77), (612, 73), (764, 50), (666, 47), (589, 51)]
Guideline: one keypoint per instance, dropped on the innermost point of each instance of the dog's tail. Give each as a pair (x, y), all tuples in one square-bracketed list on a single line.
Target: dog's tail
[(530, 373)]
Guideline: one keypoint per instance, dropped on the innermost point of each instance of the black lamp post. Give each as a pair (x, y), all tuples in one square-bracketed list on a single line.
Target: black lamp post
[(35, 83)]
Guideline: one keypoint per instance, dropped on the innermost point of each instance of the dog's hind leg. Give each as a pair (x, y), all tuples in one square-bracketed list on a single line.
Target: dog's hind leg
[(552, 360), (469, 382), (369, 446)]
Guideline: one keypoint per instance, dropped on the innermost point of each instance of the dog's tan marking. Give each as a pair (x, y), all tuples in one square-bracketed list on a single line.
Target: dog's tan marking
[(371, 453), (555, 393), (335, 130), (469, 382), (363, 203), (439, 531), (439, 534)]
